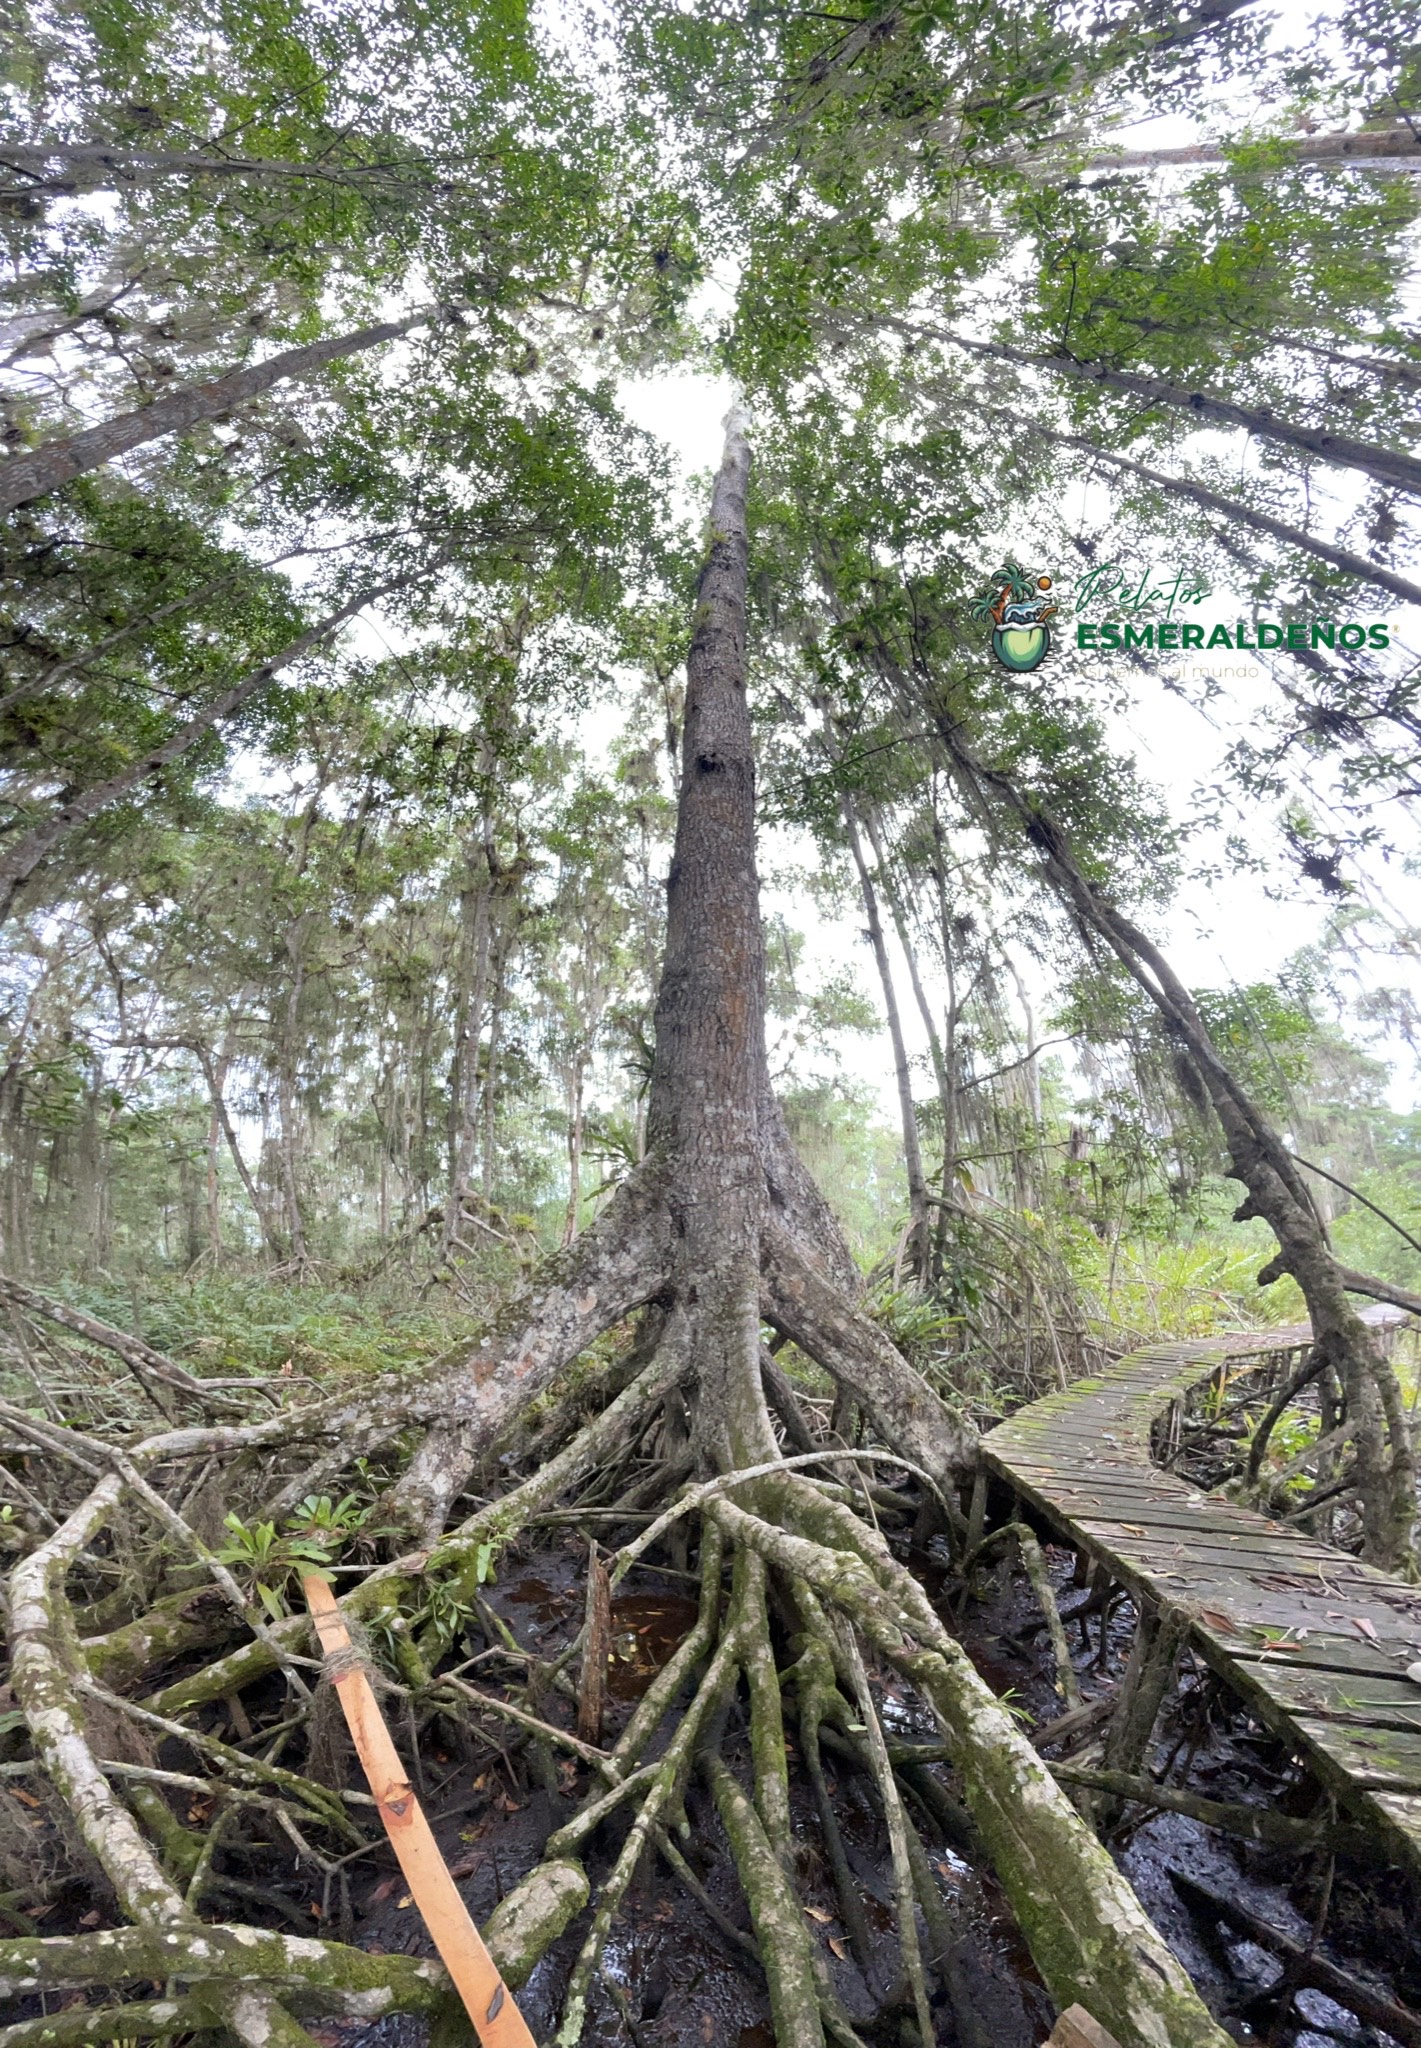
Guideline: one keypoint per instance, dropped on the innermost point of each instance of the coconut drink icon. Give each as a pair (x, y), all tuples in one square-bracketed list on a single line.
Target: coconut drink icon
[(1019, 607)]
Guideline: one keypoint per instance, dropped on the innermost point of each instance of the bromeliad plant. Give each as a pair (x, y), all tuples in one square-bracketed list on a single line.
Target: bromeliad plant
[(311, 1540)]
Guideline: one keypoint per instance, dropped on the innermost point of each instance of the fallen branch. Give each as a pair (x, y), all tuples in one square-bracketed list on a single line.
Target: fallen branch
[(139, 1357), (1308, 1967), (1250, 1823), (346, 1980)]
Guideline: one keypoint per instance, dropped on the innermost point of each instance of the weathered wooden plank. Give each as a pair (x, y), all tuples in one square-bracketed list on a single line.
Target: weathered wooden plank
[(1382, 1758), (1206, 1519), (1313, 1653), (1373, 1698), (1403, 1810)]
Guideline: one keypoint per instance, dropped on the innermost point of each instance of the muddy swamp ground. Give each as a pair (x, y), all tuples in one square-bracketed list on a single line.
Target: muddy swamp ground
[(672, 1978)]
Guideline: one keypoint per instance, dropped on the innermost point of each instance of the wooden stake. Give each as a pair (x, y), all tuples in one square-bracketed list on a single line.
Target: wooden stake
[(596, 1644), (487, 1999)]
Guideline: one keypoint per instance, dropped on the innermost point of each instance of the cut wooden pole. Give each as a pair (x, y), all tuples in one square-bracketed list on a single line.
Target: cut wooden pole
[(597, 1643), (487, 1999)]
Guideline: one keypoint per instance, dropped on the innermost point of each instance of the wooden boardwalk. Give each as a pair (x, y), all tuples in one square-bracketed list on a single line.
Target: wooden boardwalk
[(1317, 1643)]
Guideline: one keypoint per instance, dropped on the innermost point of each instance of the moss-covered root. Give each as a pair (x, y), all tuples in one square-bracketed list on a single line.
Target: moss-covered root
[(85, 2024), (767, 1728), (237, 1767), (456, 1555), (41, 1640), (175, 1626), (814, 1676), (1089, 1936), (42, 1686), (1034, 1565), (877, 1749), (660, 1803), (252, 2015), (785, 1946), (529, 1920), (533, 1916), (346, 1981), (474, 1395), (539, 1907), (667, 1684)]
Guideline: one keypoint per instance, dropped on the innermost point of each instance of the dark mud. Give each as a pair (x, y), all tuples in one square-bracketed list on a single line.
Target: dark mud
[(682, 1984)]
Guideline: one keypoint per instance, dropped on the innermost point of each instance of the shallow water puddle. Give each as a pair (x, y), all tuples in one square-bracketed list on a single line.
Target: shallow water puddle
[(647, 1628)]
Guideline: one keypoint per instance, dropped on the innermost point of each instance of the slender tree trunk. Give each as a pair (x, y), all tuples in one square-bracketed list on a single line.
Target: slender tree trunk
[(87, 1207), (194, 1209), (949, 1025), (488, 1163), (112, 166), (574, 1151), (213, 1184), (215, 1074), (1388, 466), (44, 469), (920, 1236), (947, 1107), (1399, 146), (288, 1101), (26, 854), (505, 912), (897, 910), (474, 926)]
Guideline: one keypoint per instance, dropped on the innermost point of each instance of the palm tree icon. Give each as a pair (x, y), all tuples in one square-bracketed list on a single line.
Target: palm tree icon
[(1009, 585)]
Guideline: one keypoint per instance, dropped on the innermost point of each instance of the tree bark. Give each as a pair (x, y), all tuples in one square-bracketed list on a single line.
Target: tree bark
[(574, 1150), (113, 166), (474, 916), (949, 1033), (898, 912), (1399, 147), (288, 1105), (44, 469), (710, 1061), (488, 1107), (919, 1234)]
